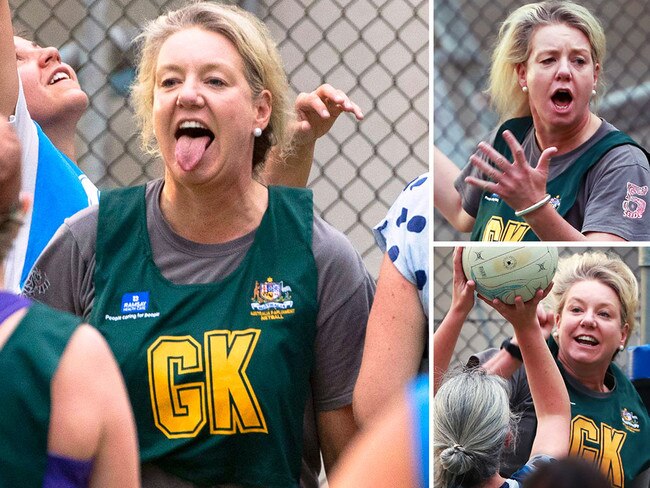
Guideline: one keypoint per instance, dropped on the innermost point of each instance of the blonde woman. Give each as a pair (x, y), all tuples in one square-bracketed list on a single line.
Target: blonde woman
[(553, 170), (223, 299)]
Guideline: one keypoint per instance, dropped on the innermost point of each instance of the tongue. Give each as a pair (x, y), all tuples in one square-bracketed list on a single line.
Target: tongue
[(189, 150)]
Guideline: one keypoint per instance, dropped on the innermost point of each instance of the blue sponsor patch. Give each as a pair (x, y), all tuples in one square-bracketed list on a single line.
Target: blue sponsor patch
[(135, 302)]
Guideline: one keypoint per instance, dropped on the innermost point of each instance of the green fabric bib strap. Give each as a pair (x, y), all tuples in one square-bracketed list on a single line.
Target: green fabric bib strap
[(612, 429), (496, 220), (28, 362), (217, 373)]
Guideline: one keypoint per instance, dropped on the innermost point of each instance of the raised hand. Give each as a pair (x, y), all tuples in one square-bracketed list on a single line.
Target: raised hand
[(317, 111), (518, 183)]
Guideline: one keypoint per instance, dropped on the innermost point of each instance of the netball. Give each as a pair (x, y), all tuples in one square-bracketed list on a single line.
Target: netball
[(507, 272)]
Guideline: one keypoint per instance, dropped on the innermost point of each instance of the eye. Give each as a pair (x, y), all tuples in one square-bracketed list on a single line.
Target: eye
[(215, 82), (580, 61), (168, 82), (575, 309), (604, 314), (547, 61)]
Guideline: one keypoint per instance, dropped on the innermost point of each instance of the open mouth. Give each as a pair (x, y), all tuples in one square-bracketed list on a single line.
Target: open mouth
[(59, 76), (562, 98), (194, 130), (192, 140), (586, 340)]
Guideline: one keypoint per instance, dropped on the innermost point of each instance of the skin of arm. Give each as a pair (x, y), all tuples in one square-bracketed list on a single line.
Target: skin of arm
[(503, 363), (380, 457), (445, 197), (445, 338), (8, 67), (9, 166), (507, 180), (395, 336), (316, 112), (550, 396), (335, 429), (91, 416)]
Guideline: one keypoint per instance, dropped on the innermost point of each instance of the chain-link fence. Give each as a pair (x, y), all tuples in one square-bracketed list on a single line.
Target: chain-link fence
[(485, 328), (464, 33), (375, 50)]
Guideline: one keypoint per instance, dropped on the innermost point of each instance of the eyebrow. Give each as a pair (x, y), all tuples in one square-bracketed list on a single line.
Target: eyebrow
[(553, 50)]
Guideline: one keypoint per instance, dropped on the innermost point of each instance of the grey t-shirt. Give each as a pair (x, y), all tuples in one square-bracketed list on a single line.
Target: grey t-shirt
[(63, 277), (599, 205)]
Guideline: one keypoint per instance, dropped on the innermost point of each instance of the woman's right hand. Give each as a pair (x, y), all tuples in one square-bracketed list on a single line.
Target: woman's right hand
[(462, 296), (521, 314), (518, 184)]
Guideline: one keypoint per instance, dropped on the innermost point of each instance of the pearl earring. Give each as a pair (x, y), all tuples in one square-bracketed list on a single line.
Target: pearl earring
[(524, 89), (593, 93), (621, 347), (257, 132)]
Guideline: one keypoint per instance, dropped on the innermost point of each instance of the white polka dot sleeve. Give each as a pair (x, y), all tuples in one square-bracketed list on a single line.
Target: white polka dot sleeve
[(404, 233)]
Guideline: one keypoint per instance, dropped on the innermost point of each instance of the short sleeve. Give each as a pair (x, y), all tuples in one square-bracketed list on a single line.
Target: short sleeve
[(616, 193), (404, 235)]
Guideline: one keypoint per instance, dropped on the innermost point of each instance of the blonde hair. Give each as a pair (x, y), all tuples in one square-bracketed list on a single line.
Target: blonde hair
[(263, 67), (608, 269), (471, 419), (514, 46)]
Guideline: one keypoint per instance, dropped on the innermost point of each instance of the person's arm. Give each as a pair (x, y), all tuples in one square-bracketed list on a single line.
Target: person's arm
[(316, 112), (505, 364), (8, 67), (10, 153), (91, 415), (446, 336), (445, 196), (381, 457), (395, 336), (335, 429), (507, 180), (550, 396)]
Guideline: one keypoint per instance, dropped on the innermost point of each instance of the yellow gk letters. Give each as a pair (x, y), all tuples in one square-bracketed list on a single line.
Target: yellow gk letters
[(180, 408)]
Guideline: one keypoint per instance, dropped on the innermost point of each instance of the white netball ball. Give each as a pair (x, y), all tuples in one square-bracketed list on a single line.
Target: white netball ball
[(507, 272)]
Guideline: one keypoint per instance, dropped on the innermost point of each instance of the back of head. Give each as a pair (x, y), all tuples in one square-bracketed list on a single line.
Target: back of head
[(513, 47), (471, 418), (263, 66), (608, 269), (567, 473)]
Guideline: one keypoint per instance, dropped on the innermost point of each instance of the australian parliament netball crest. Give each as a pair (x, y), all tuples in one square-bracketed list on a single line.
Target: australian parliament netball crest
[(271, 300)]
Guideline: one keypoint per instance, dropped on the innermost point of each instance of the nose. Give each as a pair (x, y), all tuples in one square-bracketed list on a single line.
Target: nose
[(563, 69), (588, 319), (49, 55), (189, 95)]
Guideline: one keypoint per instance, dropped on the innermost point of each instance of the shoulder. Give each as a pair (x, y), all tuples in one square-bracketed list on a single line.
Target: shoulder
[(408, 216), (332, 248), (622, 155), (82, 227)]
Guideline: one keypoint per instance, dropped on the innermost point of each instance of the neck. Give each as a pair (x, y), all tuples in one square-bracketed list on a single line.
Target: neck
[(566, 139), (590, 376), (213, 215), (62, 131)]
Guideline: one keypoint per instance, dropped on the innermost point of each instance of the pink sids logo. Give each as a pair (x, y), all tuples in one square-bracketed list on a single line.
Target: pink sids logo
[(633, 206)]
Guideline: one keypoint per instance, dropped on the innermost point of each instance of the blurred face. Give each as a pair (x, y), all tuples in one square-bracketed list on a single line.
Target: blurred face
[(560, 75), (51, 87), (589, 326), (203, 111)]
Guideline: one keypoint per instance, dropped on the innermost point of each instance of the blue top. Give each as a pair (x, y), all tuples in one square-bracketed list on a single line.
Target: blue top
[(418, 398), (62, 189)]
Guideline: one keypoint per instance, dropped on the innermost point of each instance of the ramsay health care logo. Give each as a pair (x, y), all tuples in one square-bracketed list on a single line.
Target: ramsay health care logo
[(135, 302)]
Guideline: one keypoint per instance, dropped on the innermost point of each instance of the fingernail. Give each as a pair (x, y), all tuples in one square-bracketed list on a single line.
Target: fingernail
[(325, 113)]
